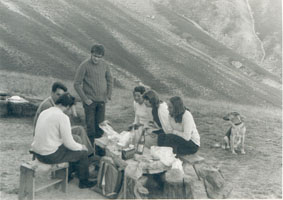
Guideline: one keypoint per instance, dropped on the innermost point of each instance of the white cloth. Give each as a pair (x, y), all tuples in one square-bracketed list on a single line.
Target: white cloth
[(186, 129), (53, 129), (163, 115), (142, 114)]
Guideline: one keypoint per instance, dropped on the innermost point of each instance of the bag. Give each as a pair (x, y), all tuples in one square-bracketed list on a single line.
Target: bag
[(110, 177), (164, 154)]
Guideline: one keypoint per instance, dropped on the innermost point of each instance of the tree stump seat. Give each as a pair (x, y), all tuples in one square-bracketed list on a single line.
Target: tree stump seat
[(177, 185), (31, 170)]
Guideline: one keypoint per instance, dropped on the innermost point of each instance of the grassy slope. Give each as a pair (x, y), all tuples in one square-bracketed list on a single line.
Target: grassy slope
[(55, 45)]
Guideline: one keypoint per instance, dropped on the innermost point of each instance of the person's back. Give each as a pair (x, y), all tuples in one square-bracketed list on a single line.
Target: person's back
[(47, 137), (45, 104), (53, 142)]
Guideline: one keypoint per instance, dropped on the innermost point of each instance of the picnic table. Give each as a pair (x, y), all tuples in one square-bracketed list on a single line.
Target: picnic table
[(133, 186)]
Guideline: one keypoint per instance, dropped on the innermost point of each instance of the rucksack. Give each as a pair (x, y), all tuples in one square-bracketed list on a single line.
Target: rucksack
[(109, 179)]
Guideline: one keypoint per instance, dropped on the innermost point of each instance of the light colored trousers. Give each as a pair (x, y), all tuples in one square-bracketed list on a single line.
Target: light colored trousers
[(80, 136)]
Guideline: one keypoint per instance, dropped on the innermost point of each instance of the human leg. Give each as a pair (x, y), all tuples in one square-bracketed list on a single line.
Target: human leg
[(180, 145), (189, 148), (169, 140), (78, 131), (99, 117), (90, 121), (78, 160)]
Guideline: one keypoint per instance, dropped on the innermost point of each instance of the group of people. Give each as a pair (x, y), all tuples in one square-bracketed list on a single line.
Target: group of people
[(172, 123), (56, 141)]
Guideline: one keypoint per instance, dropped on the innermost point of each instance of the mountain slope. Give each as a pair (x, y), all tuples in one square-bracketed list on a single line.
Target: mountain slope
[(51, 38), (253, 28)]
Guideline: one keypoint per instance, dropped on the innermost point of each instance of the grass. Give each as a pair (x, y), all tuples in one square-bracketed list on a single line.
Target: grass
[(28, 85)]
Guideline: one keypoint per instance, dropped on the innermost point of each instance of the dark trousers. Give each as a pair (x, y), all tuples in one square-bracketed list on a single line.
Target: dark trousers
[(94, 114), (180, 145), (78, 160)]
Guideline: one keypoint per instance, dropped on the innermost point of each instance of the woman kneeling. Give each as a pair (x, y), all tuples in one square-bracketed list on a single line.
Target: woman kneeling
[(182, 135)]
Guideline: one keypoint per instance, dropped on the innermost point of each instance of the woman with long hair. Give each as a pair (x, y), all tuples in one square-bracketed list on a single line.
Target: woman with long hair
[(159, 111), (183, 135)]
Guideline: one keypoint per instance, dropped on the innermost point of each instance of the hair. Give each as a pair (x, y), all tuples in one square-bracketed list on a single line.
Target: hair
[(66, 100), (59, 85), (98, 49), (153, 99), (178, 108), (140, 89)]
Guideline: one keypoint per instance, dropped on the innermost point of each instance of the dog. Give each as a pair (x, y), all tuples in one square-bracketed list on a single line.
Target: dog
[(235, 135)]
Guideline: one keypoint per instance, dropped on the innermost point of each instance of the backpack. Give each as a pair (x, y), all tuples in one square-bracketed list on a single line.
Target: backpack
[(109, 179)]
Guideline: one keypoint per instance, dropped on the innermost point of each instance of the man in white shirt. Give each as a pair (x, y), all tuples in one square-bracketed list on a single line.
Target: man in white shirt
[(78, 132), (53, 141)]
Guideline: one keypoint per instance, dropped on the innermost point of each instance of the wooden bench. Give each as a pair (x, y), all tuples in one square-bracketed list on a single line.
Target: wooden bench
[(193, 160), (31, 170)]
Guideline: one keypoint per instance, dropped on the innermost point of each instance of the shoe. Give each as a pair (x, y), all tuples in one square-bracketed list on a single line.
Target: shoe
[(87, 184), (70, 178), (93, 174)]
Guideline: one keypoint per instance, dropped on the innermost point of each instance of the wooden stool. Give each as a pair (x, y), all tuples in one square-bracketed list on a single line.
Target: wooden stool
[(193, 160), (30, 170)]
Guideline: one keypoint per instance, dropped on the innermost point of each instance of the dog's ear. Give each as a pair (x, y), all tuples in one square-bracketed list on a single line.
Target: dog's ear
[(230, 116), (226, 117), (235, 113), (242, 117)]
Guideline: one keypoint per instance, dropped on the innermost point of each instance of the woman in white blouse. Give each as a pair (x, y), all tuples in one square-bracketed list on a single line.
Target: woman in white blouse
[(142, 112), (143, 117), (183, 135), (177, 128)]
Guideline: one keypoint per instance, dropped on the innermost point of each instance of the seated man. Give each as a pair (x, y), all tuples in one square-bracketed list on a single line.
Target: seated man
[(78, 132), (53, 142)]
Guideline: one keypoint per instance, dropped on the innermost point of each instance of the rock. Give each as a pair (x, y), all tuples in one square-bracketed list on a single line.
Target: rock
[(215, 185), (21, 107), (3, 107), (4, 103), (237, 64)]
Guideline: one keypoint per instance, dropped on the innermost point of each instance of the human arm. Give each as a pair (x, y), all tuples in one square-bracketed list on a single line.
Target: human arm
[(137, 120), (163, 115), (188, 126), (74, 111), (78, 82), (66, 134), (43, 106), (109, 82)]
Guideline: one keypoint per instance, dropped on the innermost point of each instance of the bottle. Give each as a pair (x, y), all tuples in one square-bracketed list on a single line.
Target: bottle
[(141, 143)]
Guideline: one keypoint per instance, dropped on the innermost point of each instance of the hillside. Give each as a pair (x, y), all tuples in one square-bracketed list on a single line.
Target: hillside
[(252, 28), (158, 47)]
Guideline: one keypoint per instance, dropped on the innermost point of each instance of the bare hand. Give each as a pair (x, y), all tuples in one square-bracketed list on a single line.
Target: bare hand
[(88, 102), (84, 148)]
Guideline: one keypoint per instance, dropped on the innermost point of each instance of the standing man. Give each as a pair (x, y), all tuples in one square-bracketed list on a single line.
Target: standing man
[(53, 142), (78, 132), (93, 83)]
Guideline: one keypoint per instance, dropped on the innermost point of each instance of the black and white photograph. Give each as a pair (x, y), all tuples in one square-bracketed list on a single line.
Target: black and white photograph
[(140, 99)]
